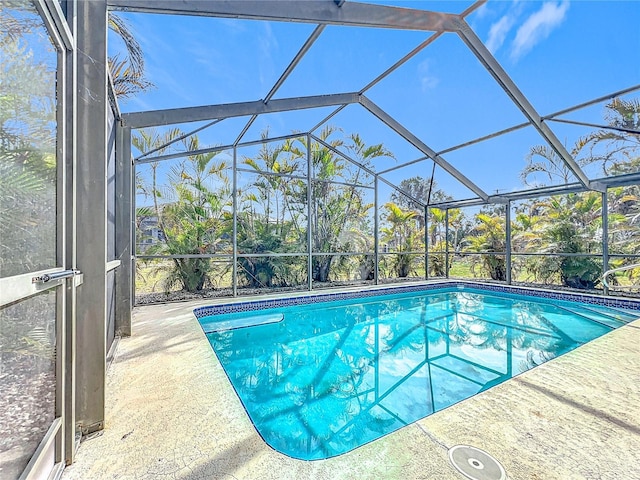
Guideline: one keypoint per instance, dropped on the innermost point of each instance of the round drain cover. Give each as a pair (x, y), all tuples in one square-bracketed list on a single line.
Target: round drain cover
[(476, 464)]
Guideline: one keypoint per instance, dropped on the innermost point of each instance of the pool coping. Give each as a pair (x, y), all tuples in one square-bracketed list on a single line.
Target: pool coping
[(301, 298)]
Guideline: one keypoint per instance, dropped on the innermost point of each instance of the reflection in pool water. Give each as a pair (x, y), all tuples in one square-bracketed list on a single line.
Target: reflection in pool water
[(333, 376)]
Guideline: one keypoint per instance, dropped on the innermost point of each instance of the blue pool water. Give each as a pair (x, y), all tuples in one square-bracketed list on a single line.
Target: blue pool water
[(321, 379)]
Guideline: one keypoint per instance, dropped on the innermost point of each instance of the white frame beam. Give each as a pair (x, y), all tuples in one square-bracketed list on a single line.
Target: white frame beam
[(154, 118), (420, 145), (296, 60), (490, 63), (308, 11)]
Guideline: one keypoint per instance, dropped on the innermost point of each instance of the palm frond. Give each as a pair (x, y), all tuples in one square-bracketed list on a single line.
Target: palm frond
[(128, 73), (134, 51)]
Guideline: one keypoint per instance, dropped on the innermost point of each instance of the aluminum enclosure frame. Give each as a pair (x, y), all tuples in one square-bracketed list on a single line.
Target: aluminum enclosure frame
[(91, 215), (308, 11), (234, 255), (344, 13), (80, 29)]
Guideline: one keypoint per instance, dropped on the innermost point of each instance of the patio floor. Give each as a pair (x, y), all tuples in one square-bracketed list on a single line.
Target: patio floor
[(172, 414)]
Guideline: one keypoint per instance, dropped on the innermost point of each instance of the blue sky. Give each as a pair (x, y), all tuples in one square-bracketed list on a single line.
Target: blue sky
[(559, 52)]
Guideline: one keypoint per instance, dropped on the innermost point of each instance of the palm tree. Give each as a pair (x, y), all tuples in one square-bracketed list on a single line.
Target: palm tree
[(145, 141), (459, 228), (27, 141), (339, 205), (623, 116), (624, 227), (425, 190), (402, 235), (570, 225), (489, 237), (127, 73), (271, 215), (278, 199), (544, 160), (192, 210), (197, 220), (437, 242), (617, 149)]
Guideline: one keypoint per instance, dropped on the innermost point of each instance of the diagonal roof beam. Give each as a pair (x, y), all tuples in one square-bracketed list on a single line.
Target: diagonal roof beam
[(384, 74), (417, 50), (307, 11), (403, 60), (214, 149), (296, 60), (402, 165), (366, 169), (195, 114), (327, 118), (596, 125), (610, 96), (575, 187), (420, 145), (483, 54)]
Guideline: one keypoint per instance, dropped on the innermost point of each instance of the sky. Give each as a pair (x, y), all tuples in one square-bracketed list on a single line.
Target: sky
[(560, 53)]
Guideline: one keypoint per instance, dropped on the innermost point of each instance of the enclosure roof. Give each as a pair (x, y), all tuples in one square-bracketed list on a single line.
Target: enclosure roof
[(480, 96)]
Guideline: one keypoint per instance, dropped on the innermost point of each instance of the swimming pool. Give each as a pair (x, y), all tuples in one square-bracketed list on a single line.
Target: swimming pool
[(320, 379)]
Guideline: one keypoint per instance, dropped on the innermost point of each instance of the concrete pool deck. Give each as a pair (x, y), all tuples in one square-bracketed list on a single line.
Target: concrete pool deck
[(171, 413)]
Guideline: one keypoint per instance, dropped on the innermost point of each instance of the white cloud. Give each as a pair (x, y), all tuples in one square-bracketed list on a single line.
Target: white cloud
[(538, 27), (268, 44), (500, 29), (498, 32), (482, 11), (427, 79)]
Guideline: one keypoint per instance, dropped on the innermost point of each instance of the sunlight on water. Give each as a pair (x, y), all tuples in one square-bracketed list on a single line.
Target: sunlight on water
[(333, 376)]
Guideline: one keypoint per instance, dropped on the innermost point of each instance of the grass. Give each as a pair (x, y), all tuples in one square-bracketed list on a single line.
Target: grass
[(150, 275), (461, 270)]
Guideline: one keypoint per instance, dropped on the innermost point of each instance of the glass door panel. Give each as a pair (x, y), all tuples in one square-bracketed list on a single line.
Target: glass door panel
[(31, 313), (27, 379), (28, 167)]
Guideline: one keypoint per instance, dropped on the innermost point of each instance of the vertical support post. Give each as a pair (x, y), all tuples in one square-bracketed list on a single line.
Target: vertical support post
[(124, 217), (376, 234), (68, 346), (426, 242), (605, 236), (446, 242), (62, 187), (234, 236), (133, 231), (309, 216), (91, 203), (507, 229)]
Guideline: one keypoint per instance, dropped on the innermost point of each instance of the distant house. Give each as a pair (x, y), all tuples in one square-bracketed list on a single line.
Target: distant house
[(149, 233)]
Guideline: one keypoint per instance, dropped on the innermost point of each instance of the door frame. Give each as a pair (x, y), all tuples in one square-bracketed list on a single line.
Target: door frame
[(51, 454)]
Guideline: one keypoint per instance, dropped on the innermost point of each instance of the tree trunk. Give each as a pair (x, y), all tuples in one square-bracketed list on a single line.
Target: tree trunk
[(321, 269)]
